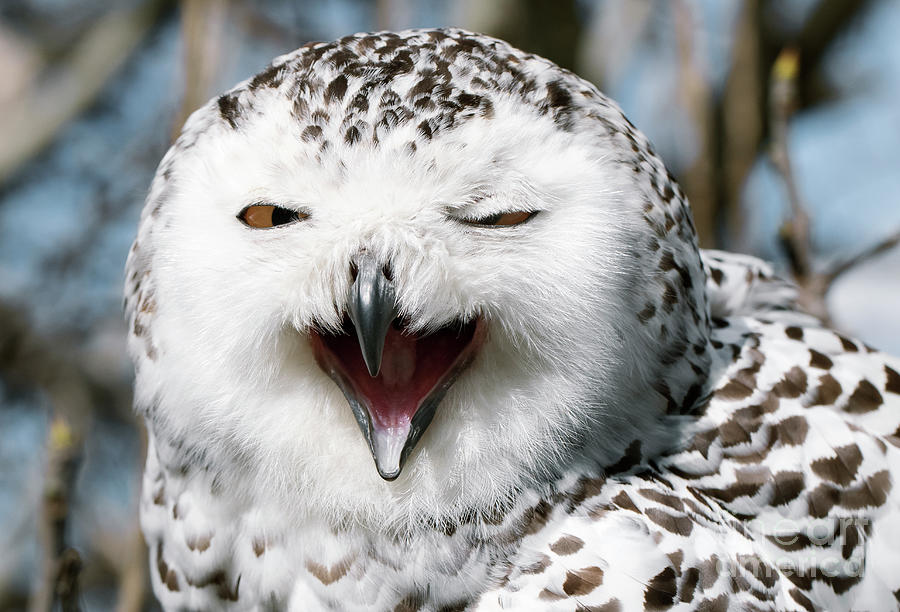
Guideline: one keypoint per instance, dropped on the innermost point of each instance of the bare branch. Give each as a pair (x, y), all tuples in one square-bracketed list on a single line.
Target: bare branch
[(794, 233), (877, 249), (61, 564)]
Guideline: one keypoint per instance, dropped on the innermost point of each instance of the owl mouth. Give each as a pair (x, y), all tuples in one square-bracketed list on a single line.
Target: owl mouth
[(392, 378)]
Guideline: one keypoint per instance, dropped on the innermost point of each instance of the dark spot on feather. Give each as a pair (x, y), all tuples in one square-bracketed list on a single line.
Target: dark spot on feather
[(412, 602), (689, 584), (865, 398), (792, 430), (548, 595), (336, 89), (691, 397), (582, 581), (259, 546), (719, 604), (329, 574), (827, 391), (610, 605), (787, 486), (536, 517), (842, 467), (735, 389), (270, 77), (623, 501), (630, 458), (848, 344), (661, 590), (312, 132), (839, 584), (798, 596), (735, 490), (647, 313), (792, 385), (893, 380), (680, 525), (794, 333), (819, 360), (166, 574), (229, 109), (352, 135), (851, 537), (663, 498), (199, 544)]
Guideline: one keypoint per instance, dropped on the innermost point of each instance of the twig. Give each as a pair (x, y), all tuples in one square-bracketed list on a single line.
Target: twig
[(28, 361), (795, 232), (61, 564), (877, 249)]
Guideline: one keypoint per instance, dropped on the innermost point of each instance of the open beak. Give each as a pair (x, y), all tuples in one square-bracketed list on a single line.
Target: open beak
[(392, 379)]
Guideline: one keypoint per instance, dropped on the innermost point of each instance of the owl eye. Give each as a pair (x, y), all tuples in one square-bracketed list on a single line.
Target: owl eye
[(502, 219), (264, 216)]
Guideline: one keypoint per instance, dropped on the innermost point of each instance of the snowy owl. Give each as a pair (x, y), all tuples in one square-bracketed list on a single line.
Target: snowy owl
[(420, 323)]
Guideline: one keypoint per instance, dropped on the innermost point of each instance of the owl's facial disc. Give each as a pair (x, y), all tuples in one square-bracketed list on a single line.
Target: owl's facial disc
[(393, 379)]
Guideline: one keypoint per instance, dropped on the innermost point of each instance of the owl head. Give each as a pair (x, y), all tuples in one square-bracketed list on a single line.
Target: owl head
[(406, 271)]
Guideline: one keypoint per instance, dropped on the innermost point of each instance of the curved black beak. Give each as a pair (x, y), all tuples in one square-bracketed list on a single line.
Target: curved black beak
[(372, 307), (393, 407)]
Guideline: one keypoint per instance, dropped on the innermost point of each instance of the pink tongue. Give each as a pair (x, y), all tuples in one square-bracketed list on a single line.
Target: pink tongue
[(393, 395), (410, 369)]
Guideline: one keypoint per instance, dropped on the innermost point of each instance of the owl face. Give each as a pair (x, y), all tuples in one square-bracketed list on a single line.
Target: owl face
[(457, 307)]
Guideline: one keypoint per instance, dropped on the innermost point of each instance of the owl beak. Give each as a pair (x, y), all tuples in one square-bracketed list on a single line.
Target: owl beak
[(392, 378), (372, 307)]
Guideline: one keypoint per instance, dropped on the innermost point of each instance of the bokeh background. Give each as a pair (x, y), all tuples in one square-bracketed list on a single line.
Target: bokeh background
[(781, 119)]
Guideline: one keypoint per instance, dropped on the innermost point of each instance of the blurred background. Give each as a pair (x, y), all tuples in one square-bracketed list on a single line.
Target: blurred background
[(780, 118)]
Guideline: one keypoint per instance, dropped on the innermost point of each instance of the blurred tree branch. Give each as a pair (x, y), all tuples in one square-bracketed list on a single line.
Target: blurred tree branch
[(700, 180), (739, 118), (69, 88), (202, 30), (827, 22), (795, 232), (733, 127), (61, 563), (30, 362), (873, 251)]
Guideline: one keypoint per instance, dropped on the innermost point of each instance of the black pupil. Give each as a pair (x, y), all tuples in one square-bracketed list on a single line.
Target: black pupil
[(280, 216), (491, 220)]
